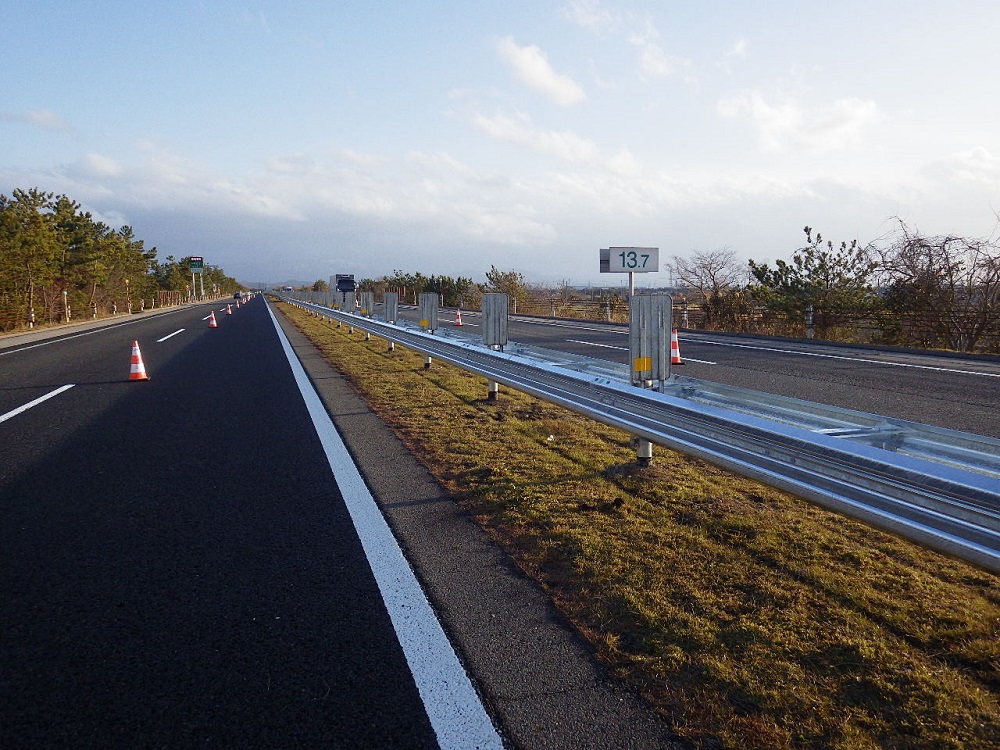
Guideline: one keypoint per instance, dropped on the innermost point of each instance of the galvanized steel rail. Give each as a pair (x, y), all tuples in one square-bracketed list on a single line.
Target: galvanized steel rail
[(936, 487)]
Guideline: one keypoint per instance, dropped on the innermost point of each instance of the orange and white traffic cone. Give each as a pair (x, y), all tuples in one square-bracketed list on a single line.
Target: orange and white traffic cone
[(675, 349), (211, 320), (229, 309), (458, 317), (138, 370)]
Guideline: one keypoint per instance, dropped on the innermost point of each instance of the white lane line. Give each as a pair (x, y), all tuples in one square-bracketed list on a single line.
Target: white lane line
[(625, 349), (102, 329), (602, 346), (452, 705), (861, 360), (614, 328), (170, 335), (36, 402)]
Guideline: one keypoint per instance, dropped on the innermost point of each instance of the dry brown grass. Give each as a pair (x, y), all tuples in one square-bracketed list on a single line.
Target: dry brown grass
[(747, 617)]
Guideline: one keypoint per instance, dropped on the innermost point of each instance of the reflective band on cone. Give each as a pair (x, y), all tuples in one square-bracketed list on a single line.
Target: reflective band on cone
[(211, 320)]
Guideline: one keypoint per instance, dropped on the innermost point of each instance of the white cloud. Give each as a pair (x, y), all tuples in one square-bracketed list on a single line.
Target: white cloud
[(590, 14), (100, 166), (519, 131), (291, 163), (790, 126), (652, 59), (739, 48), (976, 166), (44, 119), (534, 71)]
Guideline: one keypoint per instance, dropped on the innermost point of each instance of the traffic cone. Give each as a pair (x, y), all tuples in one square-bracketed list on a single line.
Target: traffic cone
[(675, 349), (138, 370), (211, 320), (229, 309), (458, 317)]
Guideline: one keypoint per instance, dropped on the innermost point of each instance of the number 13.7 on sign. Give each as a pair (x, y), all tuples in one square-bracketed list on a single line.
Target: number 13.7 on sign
[(631, 260)]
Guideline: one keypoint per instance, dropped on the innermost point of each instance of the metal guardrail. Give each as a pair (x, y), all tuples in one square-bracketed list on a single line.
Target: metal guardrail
[(937, 487)]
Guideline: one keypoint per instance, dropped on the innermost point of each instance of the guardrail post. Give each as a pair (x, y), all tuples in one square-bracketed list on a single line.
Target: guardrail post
[(493, 390), (649, 325), (429, 311), (391, 302), (427, 363), (643, 452)]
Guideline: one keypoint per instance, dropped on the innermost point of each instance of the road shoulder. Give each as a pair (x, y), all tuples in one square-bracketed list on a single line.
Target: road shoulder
[(536, 675)]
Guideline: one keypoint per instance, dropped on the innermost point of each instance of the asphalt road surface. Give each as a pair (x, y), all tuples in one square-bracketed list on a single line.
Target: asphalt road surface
[(182, 566)]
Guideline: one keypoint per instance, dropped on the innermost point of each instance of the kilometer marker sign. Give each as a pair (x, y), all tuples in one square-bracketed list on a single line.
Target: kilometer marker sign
[(630, 260)]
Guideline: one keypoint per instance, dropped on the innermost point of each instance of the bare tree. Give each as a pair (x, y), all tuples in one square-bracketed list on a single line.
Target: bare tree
[(707, 277), (944, 289)]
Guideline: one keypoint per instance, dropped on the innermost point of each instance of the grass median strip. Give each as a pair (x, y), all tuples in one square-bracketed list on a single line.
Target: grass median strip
[(747, 617)]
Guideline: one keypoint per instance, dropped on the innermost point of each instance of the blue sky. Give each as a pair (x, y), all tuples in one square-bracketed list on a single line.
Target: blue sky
[(295, 140)]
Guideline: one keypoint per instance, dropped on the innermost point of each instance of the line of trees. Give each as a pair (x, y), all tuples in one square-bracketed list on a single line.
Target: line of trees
[(55, 257), (906, 289), (454, 292)]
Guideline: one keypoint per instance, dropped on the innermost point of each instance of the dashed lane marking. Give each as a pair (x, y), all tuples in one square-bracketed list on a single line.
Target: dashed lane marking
[(36, 402), (170, 335)]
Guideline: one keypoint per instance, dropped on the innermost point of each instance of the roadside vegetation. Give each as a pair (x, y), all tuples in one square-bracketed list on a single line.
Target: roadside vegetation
[(747, 617), (904, 289), (57, 262)]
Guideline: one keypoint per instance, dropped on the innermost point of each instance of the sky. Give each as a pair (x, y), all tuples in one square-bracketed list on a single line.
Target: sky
[(293, 140)]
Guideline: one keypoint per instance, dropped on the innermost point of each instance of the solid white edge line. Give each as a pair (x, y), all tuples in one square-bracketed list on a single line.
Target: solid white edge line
[(455, 711), (36, 402)]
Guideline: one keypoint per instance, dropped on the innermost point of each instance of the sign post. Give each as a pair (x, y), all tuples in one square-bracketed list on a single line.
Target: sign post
[(649, 324), (197, 264)]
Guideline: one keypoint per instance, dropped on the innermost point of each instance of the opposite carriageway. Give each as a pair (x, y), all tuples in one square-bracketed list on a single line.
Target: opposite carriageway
[(939, 488)]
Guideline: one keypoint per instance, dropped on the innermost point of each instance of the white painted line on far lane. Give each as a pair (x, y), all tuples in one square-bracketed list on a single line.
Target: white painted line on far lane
[(625, 349), (452, 705), (592, 343), (170, 335), (36, 402), (860, 360)]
